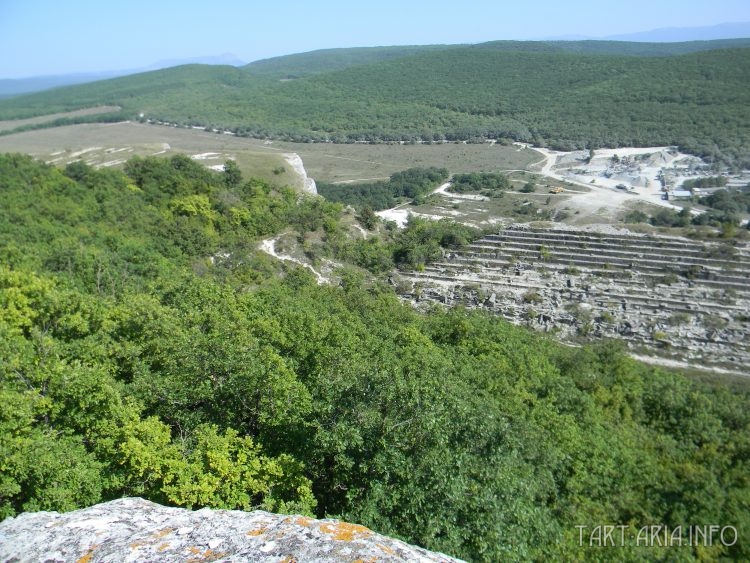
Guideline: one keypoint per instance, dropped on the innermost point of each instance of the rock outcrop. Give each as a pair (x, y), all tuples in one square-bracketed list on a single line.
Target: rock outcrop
[(675, 299), (133, 529), (295, 161)]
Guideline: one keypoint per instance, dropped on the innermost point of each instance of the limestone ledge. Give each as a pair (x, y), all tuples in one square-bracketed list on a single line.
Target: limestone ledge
[(133, 529)]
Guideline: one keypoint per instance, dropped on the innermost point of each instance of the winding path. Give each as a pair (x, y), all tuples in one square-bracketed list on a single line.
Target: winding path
[(269, 247)]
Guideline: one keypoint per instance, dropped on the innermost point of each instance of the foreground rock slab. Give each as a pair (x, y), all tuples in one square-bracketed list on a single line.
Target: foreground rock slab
[(133, 529)]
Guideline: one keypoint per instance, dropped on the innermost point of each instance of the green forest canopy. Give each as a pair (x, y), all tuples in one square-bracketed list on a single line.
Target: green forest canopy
[(558, 94), (142, 335)]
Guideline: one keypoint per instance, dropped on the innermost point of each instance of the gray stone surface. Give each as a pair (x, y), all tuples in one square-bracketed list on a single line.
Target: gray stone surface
[(133, 529), (670, 298)]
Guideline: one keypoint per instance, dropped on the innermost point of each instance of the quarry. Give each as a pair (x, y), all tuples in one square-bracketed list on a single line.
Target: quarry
[(654, 175), (669, 298)]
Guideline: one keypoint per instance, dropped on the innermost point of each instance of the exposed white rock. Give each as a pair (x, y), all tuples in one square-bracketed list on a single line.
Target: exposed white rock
[(205, 156), (269, 247), (295, 161), (133, 529)]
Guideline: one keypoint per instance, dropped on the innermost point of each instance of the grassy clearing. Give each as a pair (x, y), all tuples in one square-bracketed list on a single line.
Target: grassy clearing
[(15, 123), (335, 163), (575, 205), (102, 144), (112, 144), (323, 161)]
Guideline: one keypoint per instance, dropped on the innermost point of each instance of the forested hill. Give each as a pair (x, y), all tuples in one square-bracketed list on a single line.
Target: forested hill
[(328, 60), (629, 48), (559, 94)]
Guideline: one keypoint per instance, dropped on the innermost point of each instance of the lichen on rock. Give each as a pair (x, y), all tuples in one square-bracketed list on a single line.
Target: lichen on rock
[(133, 529)]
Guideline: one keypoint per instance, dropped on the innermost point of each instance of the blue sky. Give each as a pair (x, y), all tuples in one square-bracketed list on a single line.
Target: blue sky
[(40, 37)]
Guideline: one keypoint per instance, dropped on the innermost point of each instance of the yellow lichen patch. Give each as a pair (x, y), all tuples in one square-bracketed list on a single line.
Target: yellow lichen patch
[(256, 532), (89, 554), (303, 521), (162, 533), (137, 544), (288, 559), (208, 555), (370, 560), (343, 531), (385, 548), (163, 546)]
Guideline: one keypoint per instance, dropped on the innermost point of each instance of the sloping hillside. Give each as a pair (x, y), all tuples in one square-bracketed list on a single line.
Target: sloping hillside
[(521, 91), (629, 48), (328, 60)]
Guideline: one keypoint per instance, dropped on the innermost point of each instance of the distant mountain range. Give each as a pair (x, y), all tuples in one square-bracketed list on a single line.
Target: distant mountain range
[(705, 33), (223, 59), (15, 86), (669, 34)]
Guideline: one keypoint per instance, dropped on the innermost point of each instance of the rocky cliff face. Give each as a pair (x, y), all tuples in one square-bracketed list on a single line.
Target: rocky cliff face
[(134, 529), (308, 184)]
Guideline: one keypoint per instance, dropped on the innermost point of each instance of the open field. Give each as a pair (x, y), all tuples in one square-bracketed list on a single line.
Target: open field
[(111, 144), (348, 162), (589, 195), (15, 123), (323, 161)]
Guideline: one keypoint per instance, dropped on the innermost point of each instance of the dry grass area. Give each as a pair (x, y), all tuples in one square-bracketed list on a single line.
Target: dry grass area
[(103, 144), (323, 161), (336, 163), (14, 123), (111, 144), (116, 142)]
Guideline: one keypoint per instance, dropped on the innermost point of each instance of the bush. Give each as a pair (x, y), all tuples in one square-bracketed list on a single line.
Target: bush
[(531, 296), (635, 216), (488, 183)]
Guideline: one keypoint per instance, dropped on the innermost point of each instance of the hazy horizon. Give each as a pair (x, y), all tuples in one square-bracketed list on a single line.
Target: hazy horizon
[(88, 37)]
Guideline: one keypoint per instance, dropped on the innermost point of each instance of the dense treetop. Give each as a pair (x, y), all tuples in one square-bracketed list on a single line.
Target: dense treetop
[(327, 60), (629, 48), (147, 348)]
